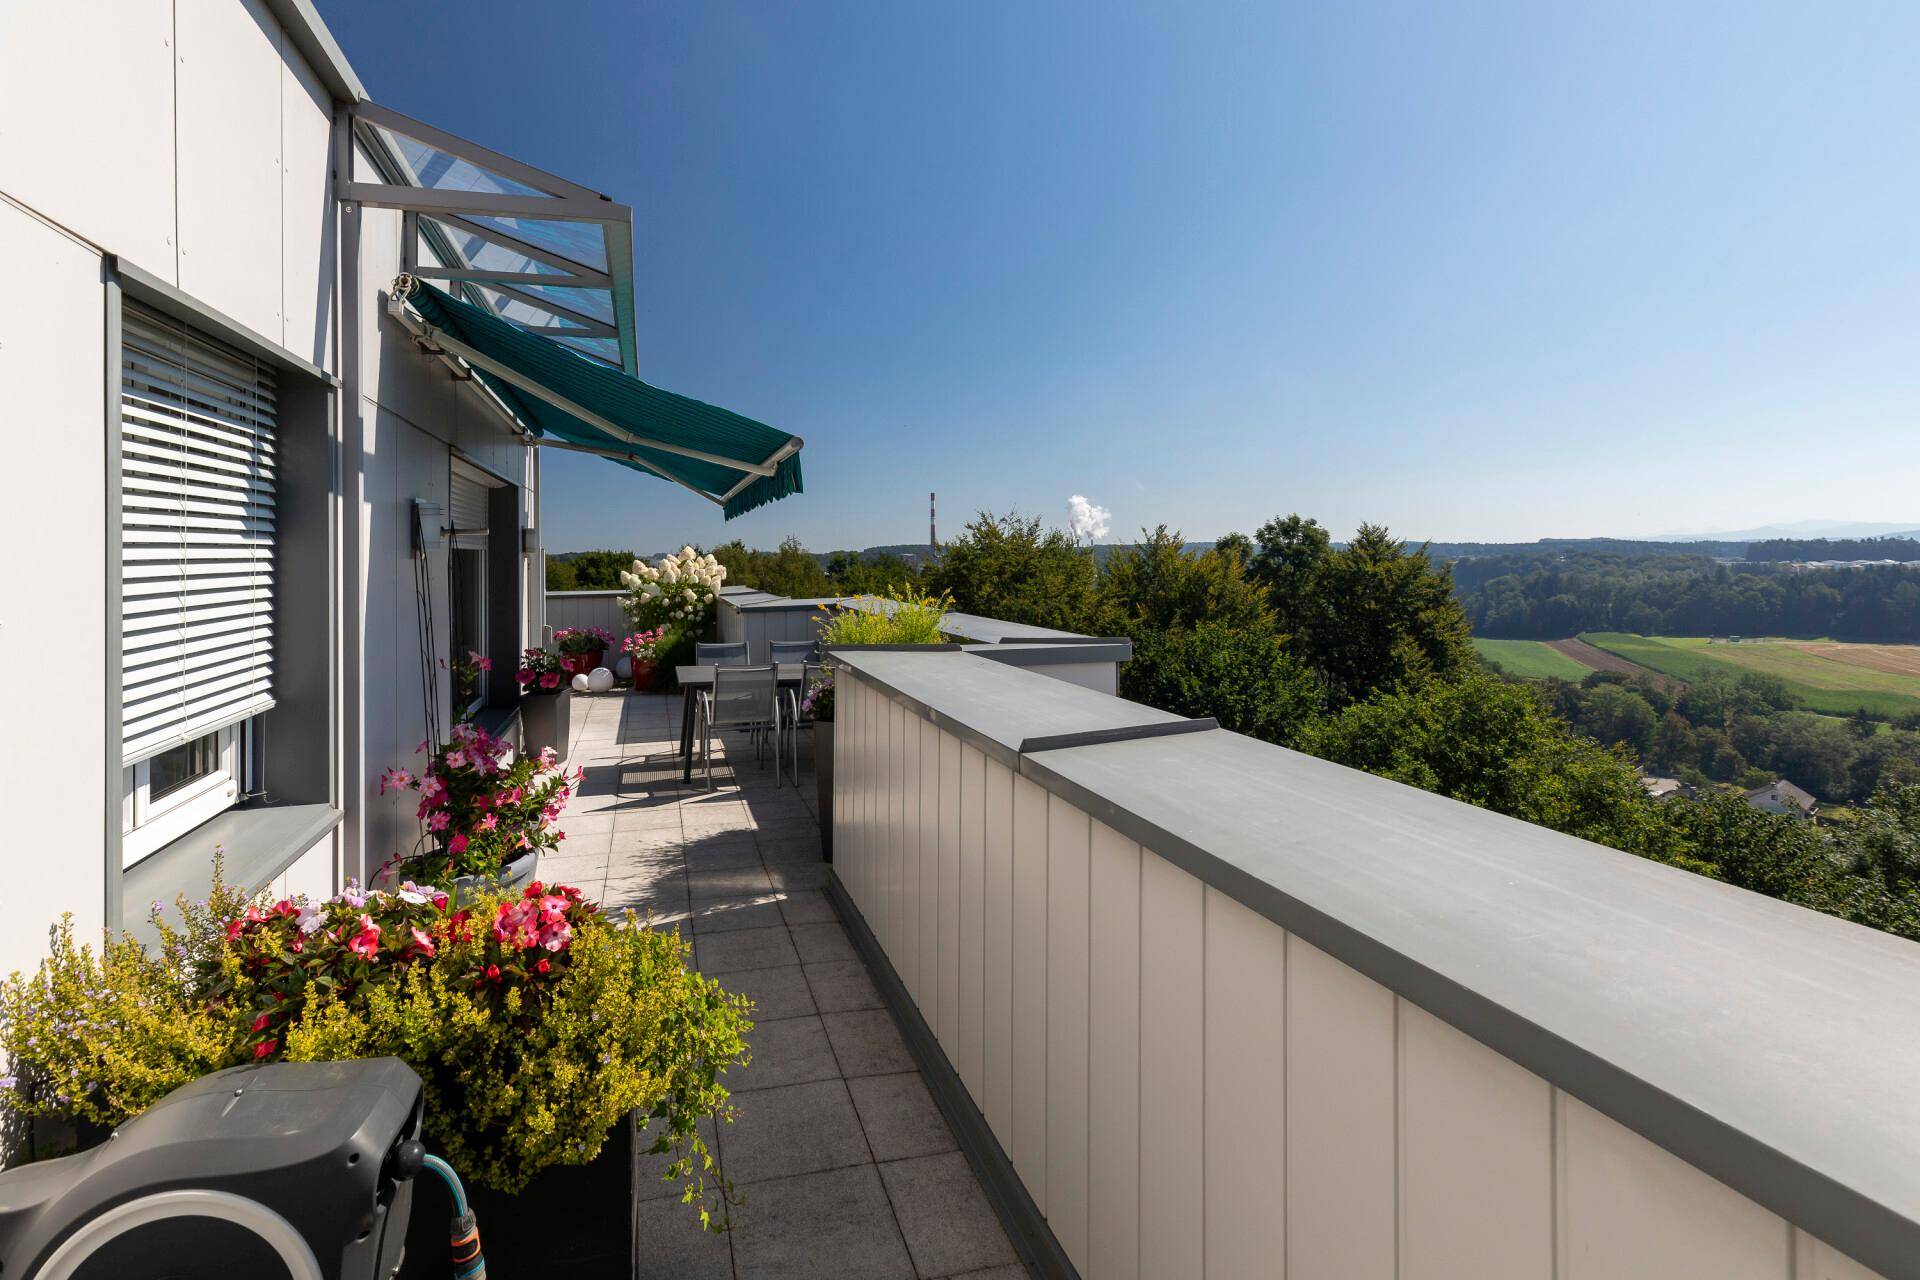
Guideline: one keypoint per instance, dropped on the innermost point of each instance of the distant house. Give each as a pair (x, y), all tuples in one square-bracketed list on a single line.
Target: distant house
[(1666, 788), (1782, 797)]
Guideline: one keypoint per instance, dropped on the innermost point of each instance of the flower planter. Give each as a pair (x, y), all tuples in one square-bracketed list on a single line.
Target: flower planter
[(642, 676), (579, 664), (545, 721), (823, 784), (571, 1220), (519, 871)]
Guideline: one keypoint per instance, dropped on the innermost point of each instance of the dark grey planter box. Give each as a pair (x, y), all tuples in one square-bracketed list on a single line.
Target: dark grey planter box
[(545, 721), (823, 784)]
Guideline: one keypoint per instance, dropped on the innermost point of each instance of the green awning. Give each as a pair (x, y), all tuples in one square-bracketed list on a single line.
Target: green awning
[(581, 403)]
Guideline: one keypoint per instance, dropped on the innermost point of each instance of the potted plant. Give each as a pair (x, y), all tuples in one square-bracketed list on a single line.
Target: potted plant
[(644, 650), (817, 703), (582, 648), (542, 1031), (486, 813), (546, 702), (677, 593)]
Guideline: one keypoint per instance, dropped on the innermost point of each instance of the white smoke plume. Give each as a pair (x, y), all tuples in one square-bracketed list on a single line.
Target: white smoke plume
[(1086, 521)]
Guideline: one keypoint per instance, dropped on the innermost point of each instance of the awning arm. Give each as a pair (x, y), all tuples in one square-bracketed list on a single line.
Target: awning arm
[(791, 447), (520, 381), (548, 442)]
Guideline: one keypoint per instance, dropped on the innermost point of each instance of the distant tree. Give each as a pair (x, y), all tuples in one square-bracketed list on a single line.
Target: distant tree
[(560, 576), (791, 570), (1160, 584), (1237, 546), (871, 573), (1290, 553), (1007, 567), (600, 570), (1615, 715), (1239, 675), (1385, 618)]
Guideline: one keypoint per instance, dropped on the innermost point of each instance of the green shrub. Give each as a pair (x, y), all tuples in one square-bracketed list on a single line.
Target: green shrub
[(535, 1023), (914, 619)]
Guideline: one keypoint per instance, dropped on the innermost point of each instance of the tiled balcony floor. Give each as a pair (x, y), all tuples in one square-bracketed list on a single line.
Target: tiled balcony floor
[(846, 1166)]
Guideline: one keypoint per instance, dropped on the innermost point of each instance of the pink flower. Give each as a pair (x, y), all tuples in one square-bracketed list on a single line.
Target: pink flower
[(438, 822), (234, 928), (440, 901), (526, 675), (555, 937), (479, 660), (551, 680), (516, 925), (548, 756), (457, 845), (456, 759), (366, 943), (489, 822), (422, 941)]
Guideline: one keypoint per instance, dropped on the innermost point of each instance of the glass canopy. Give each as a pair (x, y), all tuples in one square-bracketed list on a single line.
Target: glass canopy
[(540, 252)]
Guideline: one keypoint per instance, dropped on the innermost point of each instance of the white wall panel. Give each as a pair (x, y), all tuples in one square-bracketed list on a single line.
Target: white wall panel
[(1816, 1261), (1340, 1119), (309, 235), (230, 192), (1113, 1056), (1067, 955), (1245, 1072), (1631, 1209), (947, 1024), (973, 892), (53, 374), (1476, 1158), (928, 889), (86, 122), (996, 1098), (898, 722), (1029, 1149), (1172, 1027), (906, 960)]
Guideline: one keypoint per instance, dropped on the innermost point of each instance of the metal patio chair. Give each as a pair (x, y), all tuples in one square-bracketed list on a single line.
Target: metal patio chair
[(742, 698), (798, 719), (721, 655)]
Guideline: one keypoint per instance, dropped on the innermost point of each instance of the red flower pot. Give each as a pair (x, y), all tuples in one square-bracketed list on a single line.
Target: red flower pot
[(642, 675), (580, 664)]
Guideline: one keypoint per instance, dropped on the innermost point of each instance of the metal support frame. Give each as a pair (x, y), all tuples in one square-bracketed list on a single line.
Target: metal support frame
[(432, 212)]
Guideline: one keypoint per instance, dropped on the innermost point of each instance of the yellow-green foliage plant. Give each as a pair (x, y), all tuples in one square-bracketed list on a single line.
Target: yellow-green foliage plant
[(536, 1023), (914, 618)]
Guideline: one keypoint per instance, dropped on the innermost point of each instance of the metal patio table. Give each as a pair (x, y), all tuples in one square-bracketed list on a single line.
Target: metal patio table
[(695, 679)]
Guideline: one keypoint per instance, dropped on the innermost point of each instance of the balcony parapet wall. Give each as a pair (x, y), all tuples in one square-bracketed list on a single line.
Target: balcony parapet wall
[(1216, 1003)]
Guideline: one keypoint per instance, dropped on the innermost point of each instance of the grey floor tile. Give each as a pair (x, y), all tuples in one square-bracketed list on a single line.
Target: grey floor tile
[(777, 992), (798, 875), (650, 1181), (800, 1128), (790, 849), (840, 985), (785, 1051), (1012, 1271), (573, 868), (669, 1244), (724, 854), (865, 1041), (949, 1226), (820, 1226), (717, 953), (818, 943), (726, 882), (580, 823), (723, 915), (900, 1117), (808, 906), (590, 844)]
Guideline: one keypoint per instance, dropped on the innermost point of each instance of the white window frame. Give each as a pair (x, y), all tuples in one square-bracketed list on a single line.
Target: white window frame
[(480, 621), (148, 825)]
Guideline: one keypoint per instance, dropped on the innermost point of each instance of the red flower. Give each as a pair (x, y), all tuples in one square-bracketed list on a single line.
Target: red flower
[(533, 890), (541, 966), (260, 1023), (264, 1048), (234, 928), (493, 973)]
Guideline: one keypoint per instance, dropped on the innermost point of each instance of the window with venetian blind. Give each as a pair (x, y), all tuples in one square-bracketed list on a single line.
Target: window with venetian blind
[(197, 466)]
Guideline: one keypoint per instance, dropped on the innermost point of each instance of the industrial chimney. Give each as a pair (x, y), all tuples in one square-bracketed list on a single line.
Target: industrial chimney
[(933, 538)]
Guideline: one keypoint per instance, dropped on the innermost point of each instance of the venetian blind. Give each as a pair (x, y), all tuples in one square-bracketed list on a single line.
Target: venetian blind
[(197, 534)]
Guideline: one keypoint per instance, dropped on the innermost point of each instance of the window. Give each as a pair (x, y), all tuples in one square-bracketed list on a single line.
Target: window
[(169, 794), (471, 491), (197, 558)]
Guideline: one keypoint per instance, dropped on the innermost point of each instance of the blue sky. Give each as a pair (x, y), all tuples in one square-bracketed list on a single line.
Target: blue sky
[(1473, 271)]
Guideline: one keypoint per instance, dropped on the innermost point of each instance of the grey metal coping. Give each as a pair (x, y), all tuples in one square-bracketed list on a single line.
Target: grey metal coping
[(971, 626), (1770, 1046), (774, 604), (990, 705), (260, 841), (1041, 653)]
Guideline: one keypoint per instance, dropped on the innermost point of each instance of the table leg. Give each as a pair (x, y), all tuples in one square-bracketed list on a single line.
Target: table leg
[(686, 733)]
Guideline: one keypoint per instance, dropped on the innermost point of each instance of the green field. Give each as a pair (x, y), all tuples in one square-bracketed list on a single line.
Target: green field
[(1821, 683), (1530, 659)]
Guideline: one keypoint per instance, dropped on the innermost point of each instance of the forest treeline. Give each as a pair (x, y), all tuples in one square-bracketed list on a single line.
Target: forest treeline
[(1522, 597)]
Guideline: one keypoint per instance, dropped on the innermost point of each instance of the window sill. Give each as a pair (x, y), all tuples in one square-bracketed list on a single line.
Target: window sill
[(260, 841), (499, 721)]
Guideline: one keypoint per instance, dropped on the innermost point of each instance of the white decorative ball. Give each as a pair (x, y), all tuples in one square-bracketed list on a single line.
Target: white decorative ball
[(601, 680), (580, 683)]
